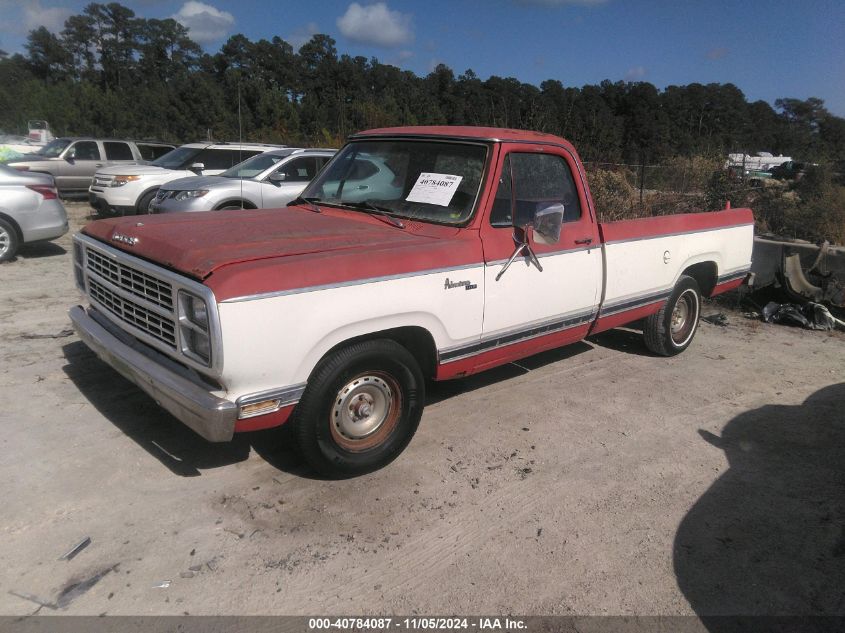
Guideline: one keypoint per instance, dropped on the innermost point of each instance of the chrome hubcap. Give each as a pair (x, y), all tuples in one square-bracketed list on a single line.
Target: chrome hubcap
[(5, 240), (362, 406), (684, 317), (679, 316)]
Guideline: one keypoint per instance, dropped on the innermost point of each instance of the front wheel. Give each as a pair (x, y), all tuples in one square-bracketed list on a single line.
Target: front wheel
[(360, 409), (9, 241), (145, 202), (671, 330)]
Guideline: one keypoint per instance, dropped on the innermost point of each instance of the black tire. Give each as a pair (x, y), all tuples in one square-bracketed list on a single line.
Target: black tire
[(9, 241), (360, 409), (144, 202), (671, 330)]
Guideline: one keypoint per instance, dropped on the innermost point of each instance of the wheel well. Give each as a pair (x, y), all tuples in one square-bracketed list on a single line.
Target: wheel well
[(141, 197), (705, 274), (415, 339), (246, 204), (14, 224)]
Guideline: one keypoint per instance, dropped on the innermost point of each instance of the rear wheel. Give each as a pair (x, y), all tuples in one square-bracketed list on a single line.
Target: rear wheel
[(361, 408), (671, 330), (9, 241)]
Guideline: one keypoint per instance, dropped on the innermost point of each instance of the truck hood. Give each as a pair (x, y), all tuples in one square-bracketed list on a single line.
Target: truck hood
[(190, 183), (199, 246)]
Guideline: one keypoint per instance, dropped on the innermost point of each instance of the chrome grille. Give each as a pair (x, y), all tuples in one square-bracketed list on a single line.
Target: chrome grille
[(161, 328), (134, 281)]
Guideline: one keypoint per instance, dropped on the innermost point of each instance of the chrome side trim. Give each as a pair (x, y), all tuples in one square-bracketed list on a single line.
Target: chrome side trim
[(731, 276), (657, 237), (636, 301), (354, 282), (517, 335)]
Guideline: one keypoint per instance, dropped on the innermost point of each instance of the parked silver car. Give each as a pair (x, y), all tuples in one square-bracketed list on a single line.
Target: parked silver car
[(265, 181), (30, 210)]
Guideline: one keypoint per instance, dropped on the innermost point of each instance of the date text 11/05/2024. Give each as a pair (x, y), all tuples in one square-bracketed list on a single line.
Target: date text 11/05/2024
[(416, 623)]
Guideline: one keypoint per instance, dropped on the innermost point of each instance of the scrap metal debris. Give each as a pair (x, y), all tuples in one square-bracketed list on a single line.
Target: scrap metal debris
[(73, 551), (812, 316), (33, 598), (716, 319), (161, 584)]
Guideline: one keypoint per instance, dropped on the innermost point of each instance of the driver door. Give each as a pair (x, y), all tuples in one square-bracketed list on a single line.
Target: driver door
[(527, 310)]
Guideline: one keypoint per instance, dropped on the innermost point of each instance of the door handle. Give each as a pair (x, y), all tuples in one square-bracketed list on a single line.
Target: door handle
[(584, 240), (98, 164)]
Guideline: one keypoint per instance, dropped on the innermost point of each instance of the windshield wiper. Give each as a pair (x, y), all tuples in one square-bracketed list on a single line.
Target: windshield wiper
[(379, 212), (308, 202)]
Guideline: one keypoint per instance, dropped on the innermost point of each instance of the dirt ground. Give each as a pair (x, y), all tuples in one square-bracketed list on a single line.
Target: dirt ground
[(597, 479)]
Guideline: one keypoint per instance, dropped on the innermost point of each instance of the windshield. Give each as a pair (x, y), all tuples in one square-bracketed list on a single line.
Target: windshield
[(251, 167), (53, 148), (177, 158), (436, 181)]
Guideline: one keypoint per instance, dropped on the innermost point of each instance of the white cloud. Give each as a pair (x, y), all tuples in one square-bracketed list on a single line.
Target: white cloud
[(377, 25), (635, 74), (33, 15), (405, 55), (301, 35), (204, 22)]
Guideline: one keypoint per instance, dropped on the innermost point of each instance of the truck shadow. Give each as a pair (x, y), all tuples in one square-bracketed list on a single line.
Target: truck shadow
[(186, 454), (136, 414), (628, 339), (768, 537)]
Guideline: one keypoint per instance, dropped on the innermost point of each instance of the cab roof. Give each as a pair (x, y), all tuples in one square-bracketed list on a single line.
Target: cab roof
[(464, 132)]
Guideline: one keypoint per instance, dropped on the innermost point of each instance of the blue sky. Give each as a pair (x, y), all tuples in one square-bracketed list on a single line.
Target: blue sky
[(768, 49)]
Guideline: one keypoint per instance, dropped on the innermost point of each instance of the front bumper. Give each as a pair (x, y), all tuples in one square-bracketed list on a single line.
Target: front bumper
[(102, 206), (211, 417)]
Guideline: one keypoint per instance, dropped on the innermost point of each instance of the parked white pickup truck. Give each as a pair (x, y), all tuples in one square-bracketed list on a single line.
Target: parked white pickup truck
[(482, 248)]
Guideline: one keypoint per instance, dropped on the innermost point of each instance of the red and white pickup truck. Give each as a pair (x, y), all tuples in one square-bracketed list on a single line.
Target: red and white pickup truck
[(417, 253)]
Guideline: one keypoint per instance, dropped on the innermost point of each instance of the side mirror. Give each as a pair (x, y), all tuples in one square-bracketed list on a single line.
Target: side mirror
[(197, 167), (277, 178), (547, 223), (70, 155)]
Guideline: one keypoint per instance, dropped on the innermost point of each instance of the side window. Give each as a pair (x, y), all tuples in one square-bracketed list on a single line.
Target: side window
[(118, 151), (538, 180), (86, 150), (299, 169), (361, 169), (151, 152), (500, 215), (222, 158)]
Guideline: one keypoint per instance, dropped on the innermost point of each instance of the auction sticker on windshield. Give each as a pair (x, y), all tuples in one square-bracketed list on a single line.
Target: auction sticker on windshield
[(434, 189)]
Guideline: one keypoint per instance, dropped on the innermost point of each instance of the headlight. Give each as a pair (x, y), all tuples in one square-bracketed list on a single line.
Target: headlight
[(194, 327), (119, 181), (187, 195)]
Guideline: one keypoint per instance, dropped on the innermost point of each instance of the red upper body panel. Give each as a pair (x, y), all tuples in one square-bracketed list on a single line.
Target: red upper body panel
[(249, 252)]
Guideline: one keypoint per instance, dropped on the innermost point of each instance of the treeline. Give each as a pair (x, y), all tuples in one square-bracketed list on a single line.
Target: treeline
[(111, 73)]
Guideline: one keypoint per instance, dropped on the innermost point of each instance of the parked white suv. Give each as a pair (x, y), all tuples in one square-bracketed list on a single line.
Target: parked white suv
[(129, 190)]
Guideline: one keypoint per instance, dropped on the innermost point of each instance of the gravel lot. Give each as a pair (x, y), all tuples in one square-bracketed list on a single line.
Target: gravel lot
[(592, 480)]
